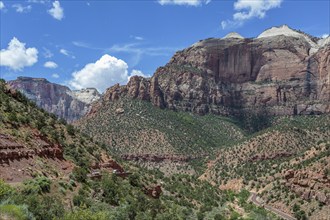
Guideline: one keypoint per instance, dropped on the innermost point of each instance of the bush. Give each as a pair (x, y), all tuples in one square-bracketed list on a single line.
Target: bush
[(5, 190), (84, 214), (9, 211), (39, 185), (44, 207)]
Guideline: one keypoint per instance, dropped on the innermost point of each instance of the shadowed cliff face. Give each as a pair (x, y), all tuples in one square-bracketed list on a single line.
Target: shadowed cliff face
[(281, 74), (56, 99)]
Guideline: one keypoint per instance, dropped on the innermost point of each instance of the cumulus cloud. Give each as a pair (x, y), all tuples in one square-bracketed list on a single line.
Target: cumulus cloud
[(247, 9), (22, 9), (50, 64), (55, 75), (56, 11), (16, 56), (102, 74), (184, 2), (2, 5)]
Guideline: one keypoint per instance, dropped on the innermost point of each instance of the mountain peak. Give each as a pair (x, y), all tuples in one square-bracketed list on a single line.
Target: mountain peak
[(26, 78), (233, 35), (281, 30)]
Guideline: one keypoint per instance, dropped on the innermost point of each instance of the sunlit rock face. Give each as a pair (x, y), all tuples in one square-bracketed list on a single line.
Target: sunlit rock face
[(283, 71), (55, 98)]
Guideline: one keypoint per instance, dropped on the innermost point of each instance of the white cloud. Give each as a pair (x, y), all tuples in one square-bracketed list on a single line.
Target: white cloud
[(55, 75), (57, 11), (136, 37), (21, 9), (51, 65), (138, 73), (2, 5), (102, 74), (38, 1), (16, 56), (81, 44), (248, 9), (67, 53), (184, 2), (64, 51)]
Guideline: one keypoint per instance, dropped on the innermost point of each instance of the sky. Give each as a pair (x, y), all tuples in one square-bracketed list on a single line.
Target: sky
[(99, 43)]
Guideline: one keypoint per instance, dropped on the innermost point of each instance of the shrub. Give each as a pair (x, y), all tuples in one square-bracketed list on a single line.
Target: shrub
[(9, 211), (5, 190)]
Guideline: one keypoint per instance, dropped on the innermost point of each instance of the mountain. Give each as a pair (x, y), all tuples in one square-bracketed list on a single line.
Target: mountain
[(242, 114), (282, 72), (50, 170), (55, 98)]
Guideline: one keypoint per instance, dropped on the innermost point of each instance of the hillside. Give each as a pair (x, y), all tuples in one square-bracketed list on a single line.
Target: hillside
[(55, 172), (287, 164), (137, 130), (33, 141)]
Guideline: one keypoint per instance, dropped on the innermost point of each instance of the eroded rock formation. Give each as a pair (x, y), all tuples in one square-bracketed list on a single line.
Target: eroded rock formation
[(283, 71), (308, 184)]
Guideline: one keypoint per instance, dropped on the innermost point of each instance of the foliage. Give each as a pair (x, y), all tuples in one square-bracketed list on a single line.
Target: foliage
[(37, 185), (5, 190), (9, 211)]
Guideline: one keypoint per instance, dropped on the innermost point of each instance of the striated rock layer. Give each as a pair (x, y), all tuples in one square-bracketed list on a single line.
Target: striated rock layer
[(283, 71), (56, 99)]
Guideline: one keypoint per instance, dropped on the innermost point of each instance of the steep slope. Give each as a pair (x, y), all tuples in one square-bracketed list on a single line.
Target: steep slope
[(282, 72), (33, 141), (56, 99)]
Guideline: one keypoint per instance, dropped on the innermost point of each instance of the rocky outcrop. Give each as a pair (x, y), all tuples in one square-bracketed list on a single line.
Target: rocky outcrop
[(56, 99), (154, 191), (159, 158), (283, 72), (12, 150), (308, 184), (270, 156)]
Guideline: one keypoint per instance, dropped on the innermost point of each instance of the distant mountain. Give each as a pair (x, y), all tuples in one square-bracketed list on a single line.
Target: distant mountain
[(282, 72), (55, 98)]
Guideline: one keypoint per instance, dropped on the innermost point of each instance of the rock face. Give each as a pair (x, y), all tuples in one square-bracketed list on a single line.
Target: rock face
[(283, 71), (308, 184), (11, 150), (160, 158), (57, 99)]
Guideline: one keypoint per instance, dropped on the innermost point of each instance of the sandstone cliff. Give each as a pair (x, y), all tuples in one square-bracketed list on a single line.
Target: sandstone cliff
[(57, 99), (283, 71)]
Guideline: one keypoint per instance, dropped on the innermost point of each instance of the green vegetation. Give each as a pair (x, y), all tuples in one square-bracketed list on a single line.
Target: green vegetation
[(150, 130), (254, 149), (54, 195)]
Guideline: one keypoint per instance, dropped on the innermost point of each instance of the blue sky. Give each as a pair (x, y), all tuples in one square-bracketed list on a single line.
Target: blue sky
[(99, 43)]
